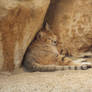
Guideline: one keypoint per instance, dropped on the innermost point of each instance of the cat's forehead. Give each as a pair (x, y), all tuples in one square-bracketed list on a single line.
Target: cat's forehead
[(53, 36), (47, 35), (50, 34)]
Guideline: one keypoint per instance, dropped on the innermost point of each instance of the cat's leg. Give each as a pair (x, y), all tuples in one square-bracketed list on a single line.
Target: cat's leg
[(66, 61)]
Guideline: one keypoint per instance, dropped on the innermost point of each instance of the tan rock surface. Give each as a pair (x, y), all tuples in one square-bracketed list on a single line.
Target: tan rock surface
[(71, 20), (61, 81), (19, 22)]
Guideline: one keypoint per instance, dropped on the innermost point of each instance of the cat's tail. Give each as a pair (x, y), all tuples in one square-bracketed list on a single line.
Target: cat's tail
[(49, 68)]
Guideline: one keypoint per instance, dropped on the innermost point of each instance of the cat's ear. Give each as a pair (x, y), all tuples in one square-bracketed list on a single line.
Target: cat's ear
[(40, 35), (47, 27)]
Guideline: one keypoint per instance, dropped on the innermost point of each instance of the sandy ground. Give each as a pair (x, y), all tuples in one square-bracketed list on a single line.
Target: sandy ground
[(60, 81)]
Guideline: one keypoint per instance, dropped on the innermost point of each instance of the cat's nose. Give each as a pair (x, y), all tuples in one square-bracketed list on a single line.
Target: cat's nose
[(56, 55)]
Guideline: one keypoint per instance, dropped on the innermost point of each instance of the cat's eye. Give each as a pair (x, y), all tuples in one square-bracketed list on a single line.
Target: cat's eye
[(54, 42)]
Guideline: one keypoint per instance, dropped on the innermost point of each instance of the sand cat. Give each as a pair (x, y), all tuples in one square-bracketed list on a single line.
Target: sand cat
[(42, 55)]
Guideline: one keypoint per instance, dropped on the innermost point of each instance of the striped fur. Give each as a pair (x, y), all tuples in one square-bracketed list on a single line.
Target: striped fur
[(50, 68), (42, 55)]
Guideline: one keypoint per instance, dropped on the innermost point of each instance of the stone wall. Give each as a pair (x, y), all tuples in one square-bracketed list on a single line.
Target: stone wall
[(71, 20), (19, 22)]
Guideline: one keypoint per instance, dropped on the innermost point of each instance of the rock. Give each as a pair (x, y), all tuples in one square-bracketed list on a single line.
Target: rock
[(20, 20), (61, 81), (71, 20)]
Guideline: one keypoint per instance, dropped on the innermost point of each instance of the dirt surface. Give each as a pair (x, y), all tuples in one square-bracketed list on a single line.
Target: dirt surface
[(60, 81)]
